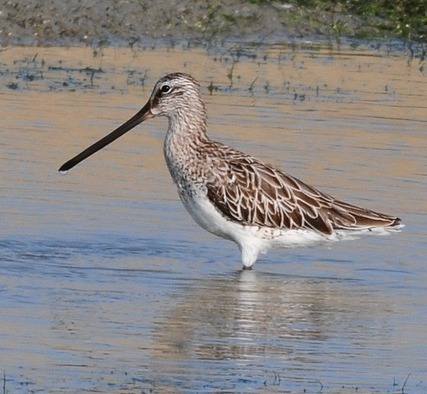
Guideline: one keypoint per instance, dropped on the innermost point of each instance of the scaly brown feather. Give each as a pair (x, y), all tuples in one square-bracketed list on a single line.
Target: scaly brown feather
[(250, 192)]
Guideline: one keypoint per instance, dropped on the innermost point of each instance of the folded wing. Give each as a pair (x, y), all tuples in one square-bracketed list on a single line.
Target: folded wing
[(254, 193)]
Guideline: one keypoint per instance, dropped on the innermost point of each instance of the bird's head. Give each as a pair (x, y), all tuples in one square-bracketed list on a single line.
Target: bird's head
[(173, 94), (176, 96)]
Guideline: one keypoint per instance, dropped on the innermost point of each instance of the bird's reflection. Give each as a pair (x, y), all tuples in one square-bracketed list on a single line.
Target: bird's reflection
[(251, 314), (248, 325)]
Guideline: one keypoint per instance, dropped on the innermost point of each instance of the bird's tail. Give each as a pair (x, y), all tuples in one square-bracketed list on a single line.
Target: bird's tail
[(351, 217)]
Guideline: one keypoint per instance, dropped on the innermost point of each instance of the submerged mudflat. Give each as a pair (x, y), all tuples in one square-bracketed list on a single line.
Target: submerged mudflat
[(107, 285)]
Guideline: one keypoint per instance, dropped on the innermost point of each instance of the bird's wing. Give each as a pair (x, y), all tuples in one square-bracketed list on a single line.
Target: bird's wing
[(250, 192)]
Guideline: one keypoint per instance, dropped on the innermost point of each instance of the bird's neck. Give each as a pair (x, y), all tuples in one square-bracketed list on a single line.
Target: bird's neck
[(185, 137), (187, 128)]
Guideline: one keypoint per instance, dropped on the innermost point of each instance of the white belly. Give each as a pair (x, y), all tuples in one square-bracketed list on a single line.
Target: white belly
[(209, 218)]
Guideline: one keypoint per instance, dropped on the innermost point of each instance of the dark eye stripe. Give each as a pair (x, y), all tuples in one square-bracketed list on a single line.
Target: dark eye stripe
[(174, 89), (159, 94), (178, 92)]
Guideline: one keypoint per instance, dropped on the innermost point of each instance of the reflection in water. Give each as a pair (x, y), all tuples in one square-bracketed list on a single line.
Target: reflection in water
[(256, 325), (251, 309)]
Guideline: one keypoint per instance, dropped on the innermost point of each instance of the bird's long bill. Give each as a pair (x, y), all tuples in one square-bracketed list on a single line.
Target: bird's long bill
[(139, 117)]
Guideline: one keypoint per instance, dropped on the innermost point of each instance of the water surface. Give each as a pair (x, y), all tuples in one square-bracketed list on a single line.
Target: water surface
[(106, 284)]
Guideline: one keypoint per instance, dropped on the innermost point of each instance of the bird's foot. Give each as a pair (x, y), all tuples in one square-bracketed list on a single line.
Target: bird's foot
[(245, 268)]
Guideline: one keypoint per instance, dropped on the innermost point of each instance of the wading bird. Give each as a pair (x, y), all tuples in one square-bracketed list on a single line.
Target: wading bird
[(234, 195)]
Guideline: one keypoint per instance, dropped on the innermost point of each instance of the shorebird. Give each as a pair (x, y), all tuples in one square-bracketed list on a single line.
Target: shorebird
[(234, 195)]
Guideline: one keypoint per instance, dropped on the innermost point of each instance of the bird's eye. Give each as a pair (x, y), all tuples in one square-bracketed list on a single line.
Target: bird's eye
[(165, 88)]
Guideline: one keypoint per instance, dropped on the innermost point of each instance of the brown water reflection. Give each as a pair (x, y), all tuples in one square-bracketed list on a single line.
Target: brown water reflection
[(107, 285)]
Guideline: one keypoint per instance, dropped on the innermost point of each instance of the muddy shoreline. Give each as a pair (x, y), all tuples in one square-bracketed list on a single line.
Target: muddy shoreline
[(74, 69), (142, 24)]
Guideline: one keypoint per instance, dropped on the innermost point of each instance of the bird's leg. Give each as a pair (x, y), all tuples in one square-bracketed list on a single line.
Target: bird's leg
[(249, 255)]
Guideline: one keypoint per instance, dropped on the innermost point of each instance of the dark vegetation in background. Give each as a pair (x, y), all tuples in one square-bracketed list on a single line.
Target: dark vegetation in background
[(405, 19), (132, 22)]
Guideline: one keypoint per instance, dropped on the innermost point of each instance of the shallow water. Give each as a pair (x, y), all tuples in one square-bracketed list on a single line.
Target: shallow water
[(106, 285)]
